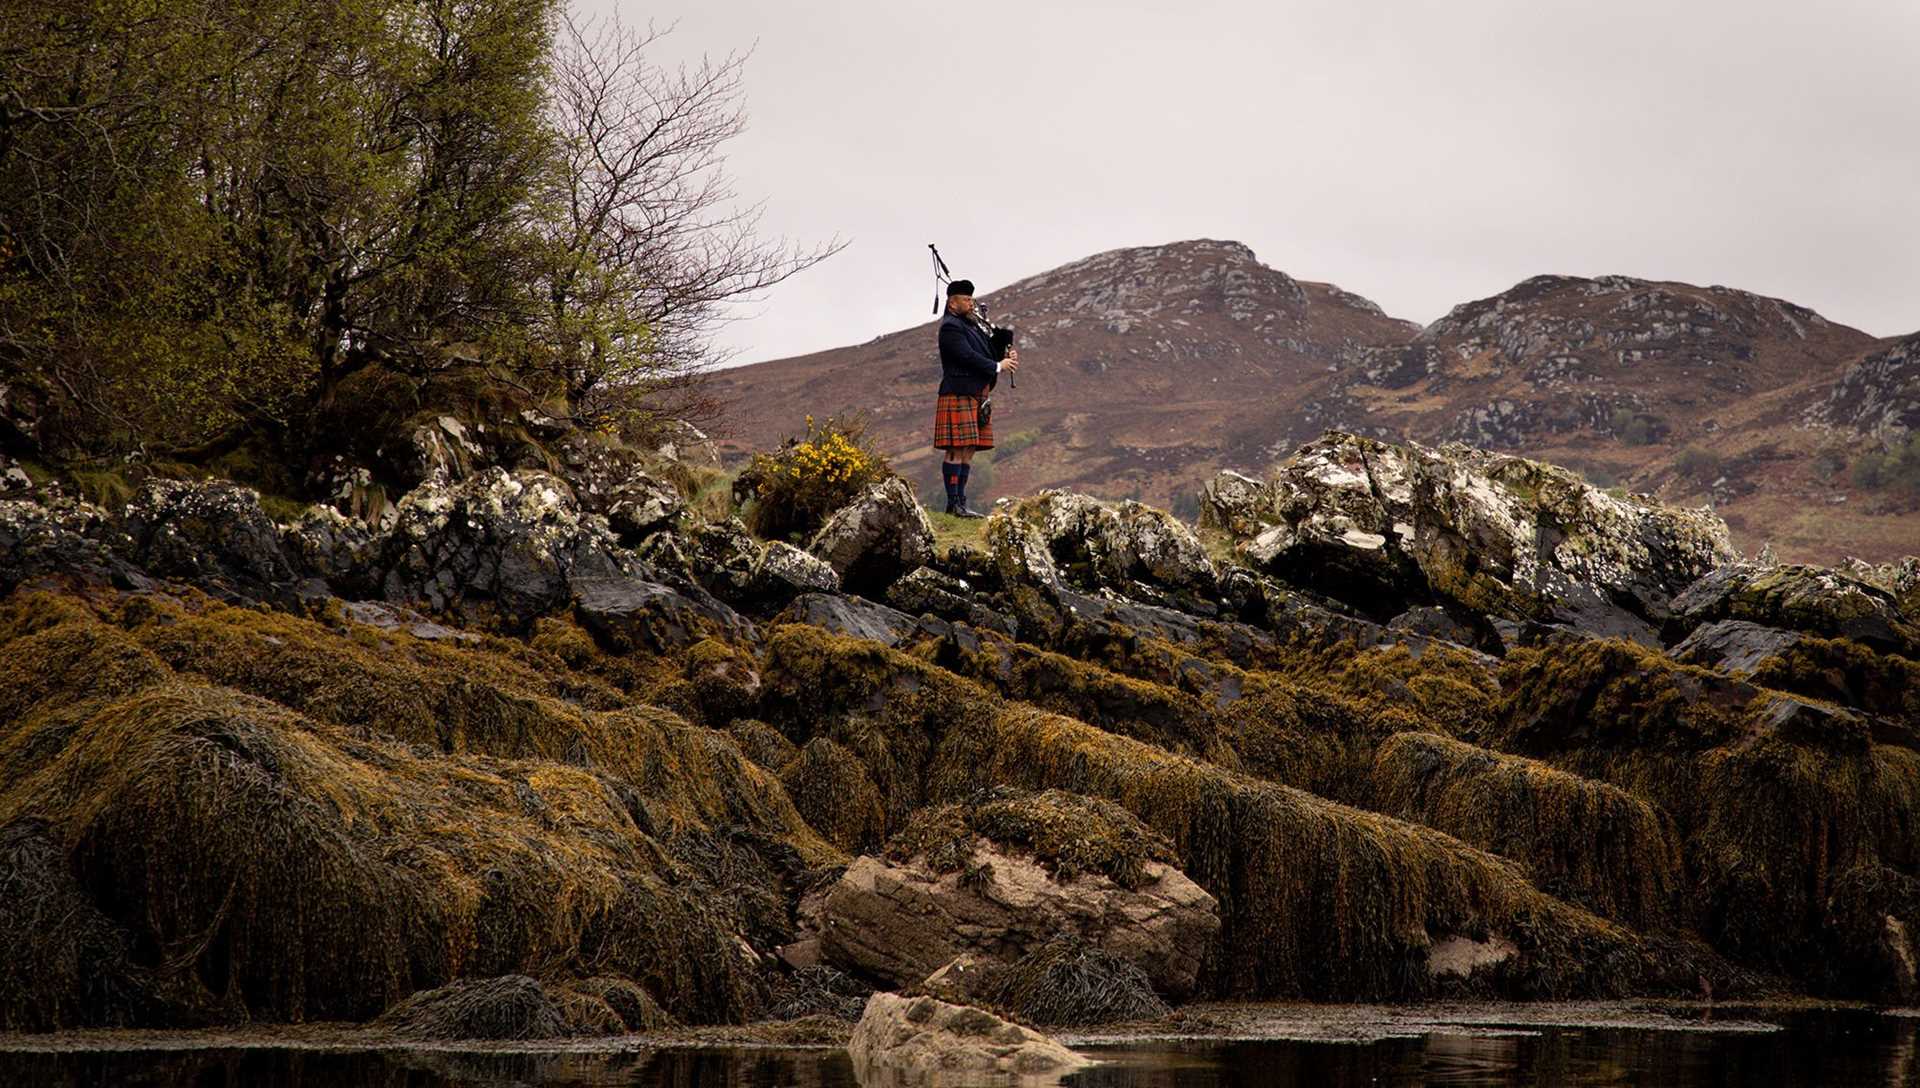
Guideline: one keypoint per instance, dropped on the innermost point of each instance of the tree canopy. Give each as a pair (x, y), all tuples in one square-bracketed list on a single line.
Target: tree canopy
[(214, 215)]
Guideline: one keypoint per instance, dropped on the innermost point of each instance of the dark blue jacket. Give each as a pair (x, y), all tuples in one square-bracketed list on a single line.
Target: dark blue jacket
[(966, 365)]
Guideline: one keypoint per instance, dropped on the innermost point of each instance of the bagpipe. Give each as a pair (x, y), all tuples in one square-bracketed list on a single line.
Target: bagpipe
[(999, 340)]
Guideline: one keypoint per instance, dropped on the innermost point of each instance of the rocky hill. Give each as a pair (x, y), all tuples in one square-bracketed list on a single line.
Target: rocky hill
[(534, 754), (1146, 368), (1150, 368)]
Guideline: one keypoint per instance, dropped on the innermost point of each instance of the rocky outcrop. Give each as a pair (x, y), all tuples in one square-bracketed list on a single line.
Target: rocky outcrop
[(785, 569), (873, 540), (1877, 396), (1385, 527), (1129, 549), (509, 545), (62, 538), (1818, 600), (212, 533), (923, 1040)]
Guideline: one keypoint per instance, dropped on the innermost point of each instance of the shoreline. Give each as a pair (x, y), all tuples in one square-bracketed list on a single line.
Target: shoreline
[(1214, 1022)]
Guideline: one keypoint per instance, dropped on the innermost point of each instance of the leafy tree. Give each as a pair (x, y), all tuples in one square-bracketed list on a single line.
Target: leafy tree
[(214, 216)]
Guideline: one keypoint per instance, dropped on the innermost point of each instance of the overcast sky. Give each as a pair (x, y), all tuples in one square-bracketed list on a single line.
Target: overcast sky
[(1421, 154)]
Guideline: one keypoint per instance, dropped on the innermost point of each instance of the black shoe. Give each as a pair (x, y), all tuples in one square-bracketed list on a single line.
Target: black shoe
[(963, 512)]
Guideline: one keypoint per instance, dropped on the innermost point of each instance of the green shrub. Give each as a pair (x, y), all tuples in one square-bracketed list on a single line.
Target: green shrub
[(794, 489)]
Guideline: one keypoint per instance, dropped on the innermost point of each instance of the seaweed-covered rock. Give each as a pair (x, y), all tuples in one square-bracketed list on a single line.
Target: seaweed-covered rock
[(1386, 527), (212, 533), (832, 789), (879, 536), (509, 1007), (918, 1039), (1066, 982), (1796, 597), (960, 892), (500, 543)]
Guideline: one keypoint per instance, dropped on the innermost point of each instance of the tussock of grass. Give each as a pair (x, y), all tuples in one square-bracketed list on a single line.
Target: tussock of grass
[(1583, 841)]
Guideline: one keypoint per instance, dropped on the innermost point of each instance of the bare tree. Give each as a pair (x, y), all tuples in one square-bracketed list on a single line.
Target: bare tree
[(649, 247)]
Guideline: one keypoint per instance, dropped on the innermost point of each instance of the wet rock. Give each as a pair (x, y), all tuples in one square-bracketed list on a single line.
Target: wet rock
[(921, 1039), (852, 617), (212, 533), (878, 537), (785, 570), (508, 544), (630, 614), (331, 546), (1737, 646), (1795, 597)]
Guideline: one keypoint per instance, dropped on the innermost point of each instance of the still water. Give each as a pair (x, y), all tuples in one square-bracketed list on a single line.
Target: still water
[(1771, 1048)]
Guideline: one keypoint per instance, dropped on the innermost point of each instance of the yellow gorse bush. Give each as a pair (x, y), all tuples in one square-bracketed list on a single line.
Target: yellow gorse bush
[(796, 487)]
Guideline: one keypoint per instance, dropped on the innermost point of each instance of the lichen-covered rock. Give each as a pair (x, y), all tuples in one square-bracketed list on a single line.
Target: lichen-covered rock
[(1386, 527), (14, 480), (786, 570), (1231, 503), (879, 536), (930, 591), (512, 544), (329, 545), (212, 532), (901, 919), (919, 1040), (643, 505), (1796, 597), (1020, 554), (1129, 548), (62, 537)]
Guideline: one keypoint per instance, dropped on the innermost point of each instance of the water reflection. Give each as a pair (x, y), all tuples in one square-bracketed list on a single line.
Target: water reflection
[(1843, 1049)]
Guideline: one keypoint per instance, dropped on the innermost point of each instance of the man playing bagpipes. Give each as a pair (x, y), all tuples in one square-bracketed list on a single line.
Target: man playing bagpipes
[(962, 418)]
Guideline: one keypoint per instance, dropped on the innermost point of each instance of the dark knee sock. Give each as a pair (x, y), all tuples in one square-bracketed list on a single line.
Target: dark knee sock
[(960, 491), (950, 474)]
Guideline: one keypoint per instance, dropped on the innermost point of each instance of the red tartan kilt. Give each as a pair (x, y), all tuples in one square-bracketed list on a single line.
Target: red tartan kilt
[(956, 424)]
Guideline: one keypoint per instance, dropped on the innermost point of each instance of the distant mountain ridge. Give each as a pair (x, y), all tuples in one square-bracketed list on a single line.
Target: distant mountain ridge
[(1148, 368)]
